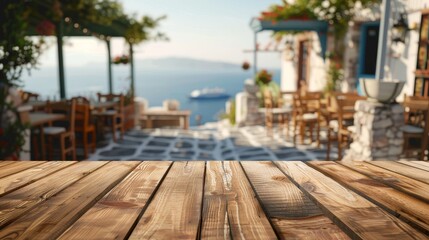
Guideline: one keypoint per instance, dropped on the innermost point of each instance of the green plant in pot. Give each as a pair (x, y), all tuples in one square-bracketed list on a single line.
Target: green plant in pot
[(264, 80)]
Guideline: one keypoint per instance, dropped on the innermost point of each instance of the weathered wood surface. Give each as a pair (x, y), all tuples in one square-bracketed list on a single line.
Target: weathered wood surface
[(416, 164), (409, 171), (359, 217), (398, 203), (111, 217), (408, 185), (241, 215), (175, 211), (213, 200), (292, 213)]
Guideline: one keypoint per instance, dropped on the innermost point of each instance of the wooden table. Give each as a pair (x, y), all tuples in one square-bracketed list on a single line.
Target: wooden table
[(38, 120), (36, 105), (100, 106), (151, 115), (196, 199)]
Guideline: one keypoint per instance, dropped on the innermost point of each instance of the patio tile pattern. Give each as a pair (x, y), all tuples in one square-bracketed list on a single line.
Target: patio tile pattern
[(207, 143)]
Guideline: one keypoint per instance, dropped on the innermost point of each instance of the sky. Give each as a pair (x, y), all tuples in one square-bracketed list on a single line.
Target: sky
[(203, 29)]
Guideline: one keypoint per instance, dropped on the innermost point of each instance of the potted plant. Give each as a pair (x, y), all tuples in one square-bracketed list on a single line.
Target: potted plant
[(264, 80)]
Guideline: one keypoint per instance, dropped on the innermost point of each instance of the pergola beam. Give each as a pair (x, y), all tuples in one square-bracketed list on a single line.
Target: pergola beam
[(109, 65), (61, 78)]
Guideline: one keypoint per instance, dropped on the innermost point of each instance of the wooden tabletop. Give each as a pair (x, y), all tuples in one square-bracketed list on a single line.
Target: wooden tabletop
[(102, 105), (214, 200), (39, 118)]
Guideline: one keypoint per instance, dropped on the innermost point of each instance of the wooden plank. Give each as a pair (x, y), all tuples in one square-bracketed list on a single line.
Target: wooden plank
[(215, 224), (5, 162), (357, 216), (230, 208), (425, 163), (394, 201), (416, 164), (9, 169), (51, 218), (20, 179), (405, 170), (292, 213), (174, 212), (114, 215), (16, 203), (408, 185)]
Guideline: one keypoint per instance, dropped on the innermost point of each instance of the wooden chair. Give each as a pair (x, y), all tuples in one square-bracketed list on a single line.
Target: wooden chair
[(416, 127), (29, 96), (340, 121), (85, 129), (80, 100), (305, 114), (114, 117), (273, 110), (61, 132)]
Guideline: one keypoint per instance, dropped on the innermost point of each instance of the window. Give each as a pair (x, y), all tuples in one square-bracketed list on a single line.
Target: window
[(368, 49), (421, 82)]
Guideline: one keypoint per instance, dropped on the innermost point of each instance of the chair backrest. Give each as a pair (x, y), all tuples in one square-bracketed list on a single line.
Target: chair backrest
[(307, 103), (67, 108), (29, 96), (80, 100), (416, 111), (82, 116), (268, 99), (119, 98)]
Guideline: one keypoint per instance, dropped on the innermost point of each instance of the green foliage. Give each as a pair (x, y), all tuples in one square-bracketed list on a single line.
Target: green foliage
[(232, 111), (335, 75), (263, 77), (337, 12), (264, 81), (300, 9), (90, 13), (17, 53)]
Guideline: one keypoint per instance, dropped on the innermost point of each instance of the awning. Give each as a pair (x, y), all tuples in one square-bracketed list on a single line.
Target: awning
[(321, 27)]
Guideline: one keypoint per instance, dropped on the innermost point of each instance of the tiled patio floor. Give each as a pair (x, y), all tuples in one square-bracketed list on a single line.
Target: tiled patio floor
[(212, 142)]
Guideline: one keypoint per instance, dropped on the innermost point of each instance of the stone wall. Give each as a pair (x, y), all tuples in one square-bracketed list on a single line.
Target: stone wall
[(378, 134), (248, 106)]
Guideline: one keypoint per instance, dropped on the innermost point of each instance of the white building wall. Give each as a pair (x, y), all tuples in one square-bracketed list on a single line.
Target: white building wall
[(317, 72), (288, 74), (401, 58)]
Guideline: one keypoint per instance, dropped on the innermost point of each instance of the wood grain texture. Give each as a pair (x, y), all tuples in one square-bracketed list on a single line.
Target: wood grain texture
[(9, 169), (416, 164), (292, 213), (357, 216), (215, 224), (425, 163), (408, 185), (175, 209), (56, 214), (396, 202), (30, 175), (405, 170), (5, 162), (114, 215), (244, 217), (16, 203)]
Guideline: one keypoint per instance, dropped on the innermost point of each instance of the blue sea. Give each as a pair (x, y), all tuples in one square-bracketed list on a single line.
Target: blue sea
[(153, 85)]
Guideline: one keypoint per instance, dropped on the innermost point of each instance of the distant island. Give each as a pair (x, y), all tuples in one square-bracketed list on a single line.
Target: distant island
[(185, 64)]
